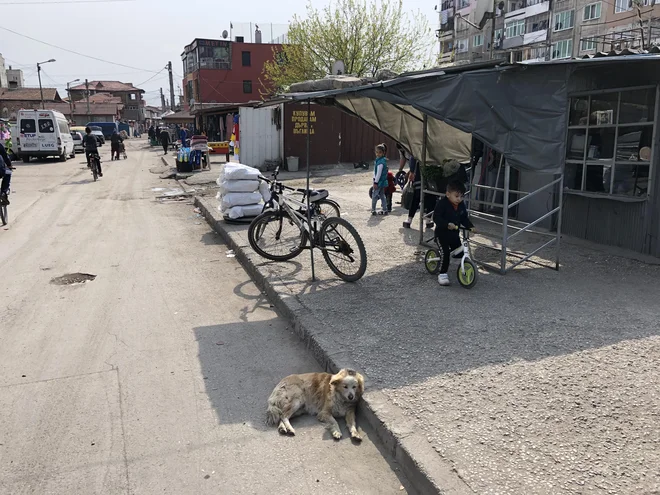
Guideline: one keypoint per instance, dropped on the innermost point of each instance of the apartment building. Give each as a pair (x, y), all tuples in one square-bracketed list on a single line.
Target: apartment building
[(536, 30)]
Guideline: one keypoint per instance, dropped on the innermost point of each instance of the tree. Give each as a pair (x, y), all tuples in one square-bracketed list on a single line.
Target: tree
[(367, 35)]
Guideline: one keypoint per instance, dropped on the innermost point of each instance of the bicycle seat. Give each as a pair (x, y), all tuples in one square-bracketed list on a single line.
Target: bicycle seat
[(315, 194)]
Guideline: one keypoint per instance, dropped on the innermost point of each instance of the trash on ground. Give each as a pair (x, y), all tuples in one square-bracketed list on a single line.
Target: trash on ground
[(73, 278)]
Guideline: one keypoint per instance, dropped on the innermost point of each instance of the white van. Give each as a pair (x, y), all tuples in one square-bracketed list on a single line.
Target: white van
[(43, 133)]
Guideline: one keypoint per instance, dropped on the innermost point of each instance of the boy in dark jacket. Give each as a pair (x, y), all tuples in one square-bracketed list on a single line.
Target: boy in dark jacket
[(450, 214)]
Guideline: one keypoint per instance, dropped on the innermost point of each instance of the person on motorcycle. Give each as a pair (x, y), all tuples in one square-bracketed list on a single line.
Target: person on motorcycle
[(115, 141), (91, 147), (5, 172)]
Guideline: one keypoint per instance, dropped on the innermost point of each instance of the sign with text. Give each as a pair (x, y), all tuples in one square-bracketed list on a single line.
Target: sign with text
[(299, 121)]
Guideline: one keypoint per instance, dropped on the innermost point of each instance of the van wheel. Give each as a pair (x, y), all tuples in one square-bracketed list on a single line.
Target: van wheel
[(63, 157), (26, 159)]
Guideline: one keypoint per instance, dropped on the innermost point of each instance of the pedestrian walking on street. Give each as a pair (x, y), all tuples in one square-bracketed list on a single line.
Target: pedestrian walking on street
[(380, 180), (165, 139), (415, 176), (5, 173), (115, 141)]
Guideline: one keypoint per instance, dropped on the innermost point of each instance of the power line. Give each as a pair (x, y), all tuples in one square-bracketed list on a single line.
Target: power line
[(152, 77), (76, 53), (41, 2)]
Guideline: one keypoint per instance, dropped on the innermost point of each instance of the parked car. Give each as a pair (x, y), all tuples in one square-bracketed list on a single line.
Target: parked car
[(97, 131), (106, 127), (77, 142)]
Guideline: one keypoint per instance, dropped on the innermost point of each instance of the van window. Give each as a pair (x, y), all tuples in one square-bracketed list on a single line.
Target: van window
[(46, 126), (27, 125), (64, 127)]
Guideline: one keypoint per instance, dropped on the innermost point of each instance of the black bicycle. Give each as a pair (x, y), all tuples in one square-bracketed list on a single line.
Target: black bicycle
[(4, 216), (95, 165), (283, 230)]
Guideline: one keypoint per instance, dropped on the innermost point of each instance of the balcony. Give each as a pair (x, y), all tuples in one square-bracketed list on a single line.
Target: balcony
[(526, 8), (525, 39)]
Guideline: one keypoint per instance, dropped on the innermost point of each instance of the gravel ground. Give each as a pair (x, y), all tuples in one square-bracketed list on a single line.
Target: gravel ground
[(534, 382)]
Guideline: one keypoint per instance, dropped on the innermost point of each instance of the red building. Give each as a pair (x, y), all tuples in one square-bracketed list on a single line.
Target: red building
[(220, 73)]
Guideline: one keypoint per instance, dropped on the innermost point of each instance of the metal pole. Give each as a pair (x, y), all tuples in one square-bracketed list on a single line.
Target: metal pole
[(505, 217), (560, 213), (43, 106), (492, 30), (309, 213), (422, 211)]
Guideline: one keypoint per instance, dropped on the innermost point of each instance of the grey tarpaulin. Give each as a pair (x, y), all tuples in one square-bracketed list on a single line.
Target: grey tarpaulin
[(520, 110)]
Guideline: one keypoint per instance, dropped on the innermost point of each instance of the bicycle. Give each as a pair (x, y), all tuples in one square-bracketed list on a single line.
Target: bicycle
[(4, 216), (467, 272), (94, 164), (323, 206), (282, 233)]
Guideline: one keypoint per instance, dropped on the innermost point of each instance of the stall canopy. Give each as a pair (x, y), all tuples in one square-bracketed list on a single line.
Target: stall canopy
[(520, 110)]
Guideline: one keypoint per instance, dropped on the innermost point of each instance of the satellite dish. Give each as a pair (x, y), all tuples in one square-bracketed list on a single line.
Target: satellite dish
[(338, 68), (225, 34)]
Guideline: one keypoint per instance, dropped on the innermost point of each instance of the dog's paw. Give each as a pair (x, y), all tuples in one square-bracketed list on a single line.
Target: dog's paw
[(336, 435), (291, 431), (355, 435), (282, 429)]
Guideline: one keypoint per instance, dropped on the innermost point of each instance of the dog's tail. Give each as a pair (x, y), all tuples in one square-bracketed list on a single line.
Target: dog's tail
[(273, 414)]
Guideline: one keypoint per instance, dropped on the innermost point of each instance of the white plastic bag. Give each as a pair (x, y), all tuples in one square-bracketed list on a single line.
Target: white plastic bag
[(243, 211), (227, 186), (240, 199), (265, 192), (238, 171)]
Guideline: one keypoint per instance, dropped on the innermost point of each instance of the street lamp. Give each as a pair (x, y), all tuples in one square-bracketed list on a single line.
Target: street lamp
[(70, 100), (43, 106)]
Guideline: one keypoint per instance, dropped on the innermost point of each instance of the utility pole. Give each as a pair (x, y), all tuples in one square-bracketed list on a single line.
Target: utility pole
[(162, 100), (68, 92), (169, 68), (41, 91), (87, 96)]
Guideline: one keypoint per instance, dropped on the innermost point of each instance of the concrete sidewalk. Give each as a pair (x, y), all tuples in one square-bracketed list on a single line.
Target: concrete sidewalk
[(534, 382)]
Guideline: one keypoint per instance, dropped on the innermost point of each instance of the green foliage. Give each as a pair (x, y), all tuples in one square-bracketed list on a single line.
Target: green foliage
[(367, 35)]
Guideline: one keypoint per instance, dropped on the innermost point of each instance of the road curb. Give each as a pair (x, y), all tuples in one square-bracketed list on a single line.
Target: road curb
[(421, 465)]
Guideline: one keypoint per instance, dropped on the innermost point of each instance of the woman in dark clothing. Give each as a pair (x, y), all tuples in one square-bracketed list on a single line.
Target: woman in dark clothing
[(165, 139), (115, 140), (429, 200)]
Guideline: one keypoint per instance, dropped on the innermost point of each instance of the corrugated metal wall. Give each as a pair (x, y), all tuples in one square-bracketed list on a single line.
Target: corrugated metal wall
[(259, 136), (605, 221), (328, 125)]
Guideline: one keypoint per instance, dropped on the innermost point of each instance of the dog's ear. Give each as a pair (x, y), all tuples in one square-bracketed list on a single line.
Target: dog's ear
[(360, 380), (337, 378)]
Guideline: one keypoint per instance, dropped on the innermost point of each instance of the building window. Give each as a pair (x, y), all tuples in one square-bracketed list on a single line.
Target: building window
[(247, 87), (462, 4), (587, 45), (498, 38), (478, 40), (562, 49), (610, 140), (514, 28), (564, 20), (622, 6), (461, 46), (132, 97), (246, 58), (592, 11)]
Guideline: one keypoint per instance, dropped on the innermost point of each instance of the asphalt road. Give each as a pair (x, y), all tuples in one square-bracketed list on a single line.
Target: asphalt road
[(153, 377)]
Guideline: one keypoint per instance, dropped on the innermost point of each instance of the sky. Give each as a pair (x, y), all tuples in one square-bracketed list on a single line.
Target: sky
[(138, 36)]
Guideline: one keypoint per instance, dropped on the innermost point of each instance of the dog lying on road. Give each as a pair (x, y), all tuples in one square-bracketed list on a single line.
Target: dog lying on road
[(322, 394)]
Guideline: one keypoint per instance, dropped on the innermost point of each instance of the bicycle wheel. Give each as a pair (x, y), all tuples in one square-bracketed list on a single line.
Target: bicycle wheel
[(343, 249), (327, 208), (275, 236), (433, 261), (468, 278), (94, 170), (4, 217)]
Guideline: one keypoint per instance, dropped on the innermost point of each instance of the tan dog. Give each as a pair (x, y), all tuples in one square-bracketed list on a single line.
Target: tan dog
[(322, 394)]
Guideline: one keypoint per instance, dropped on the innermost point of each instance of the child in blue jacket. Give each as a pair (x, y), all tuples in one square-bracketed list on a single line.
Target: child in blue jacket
[(380, 183)]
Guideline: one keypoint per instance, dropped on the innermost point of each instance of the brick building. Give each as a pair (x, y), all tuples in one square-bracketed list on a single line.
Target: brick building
[(13, 100), (113, 92)]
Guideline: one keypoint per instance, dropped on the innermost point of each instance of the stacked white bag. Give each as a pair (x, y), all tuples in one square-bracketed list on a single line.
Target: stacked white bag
[(239, 194)]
